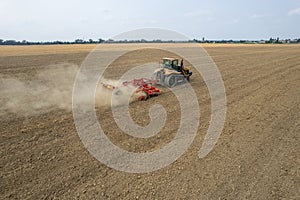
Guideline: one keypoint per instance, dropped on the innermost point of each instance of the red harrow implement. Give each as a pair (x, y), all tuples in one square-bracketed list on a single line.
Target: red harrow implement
[(144, 88)]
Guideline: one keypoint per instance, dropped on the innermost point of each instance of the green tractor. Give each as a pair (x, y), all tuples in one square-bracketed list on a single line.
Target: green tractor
[(171, 74)]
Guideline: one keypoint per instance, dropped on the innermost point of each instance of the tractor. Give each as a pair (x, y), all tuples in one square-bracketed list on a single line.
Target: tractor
[(171, 74)]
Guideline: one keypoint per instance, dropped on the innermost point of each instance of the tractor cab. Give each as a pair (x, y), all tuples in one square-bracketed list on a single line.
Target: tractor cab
[(170, 63)]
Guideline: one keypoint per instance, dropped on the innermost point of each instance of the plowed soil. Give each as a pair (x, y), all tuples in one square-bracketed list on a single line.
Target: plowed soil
[(256, 156)]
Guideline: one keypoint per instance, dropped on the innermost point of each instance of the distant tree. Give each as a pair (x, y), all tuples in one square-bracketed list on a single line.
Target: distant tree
[(271, 40), (110, 40), (101, 40), (91, 41), (10, 42), (78, 41), (1, 41)]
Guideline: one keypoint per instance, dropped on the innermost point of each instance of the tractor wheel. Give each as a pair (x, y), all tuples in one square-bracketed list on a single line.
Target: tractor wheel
[(160, 77), (170, 81)]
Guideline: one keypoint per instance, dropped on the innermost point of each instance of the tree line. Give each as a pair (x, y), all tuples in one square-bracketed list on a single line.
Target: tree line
[(99, 41), (24, 42)]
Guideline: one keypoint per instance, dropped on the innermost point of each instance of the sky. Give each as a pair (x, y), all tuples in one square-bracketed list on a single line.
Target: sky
[(67, 20)]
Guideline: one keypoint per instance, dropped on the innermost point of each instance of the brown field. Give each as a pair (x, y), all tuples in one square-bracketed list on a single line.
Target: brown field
[(256, 156)]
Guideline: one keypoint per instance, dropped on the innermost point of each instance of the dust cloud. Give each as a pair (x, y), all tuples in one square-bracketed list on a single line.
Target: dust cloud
[(50, 89)]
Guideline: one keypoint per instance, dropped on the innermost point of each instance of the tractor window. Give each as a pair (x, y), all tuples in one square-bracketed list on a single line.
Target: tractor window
[(175, 63), (167, 63)]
